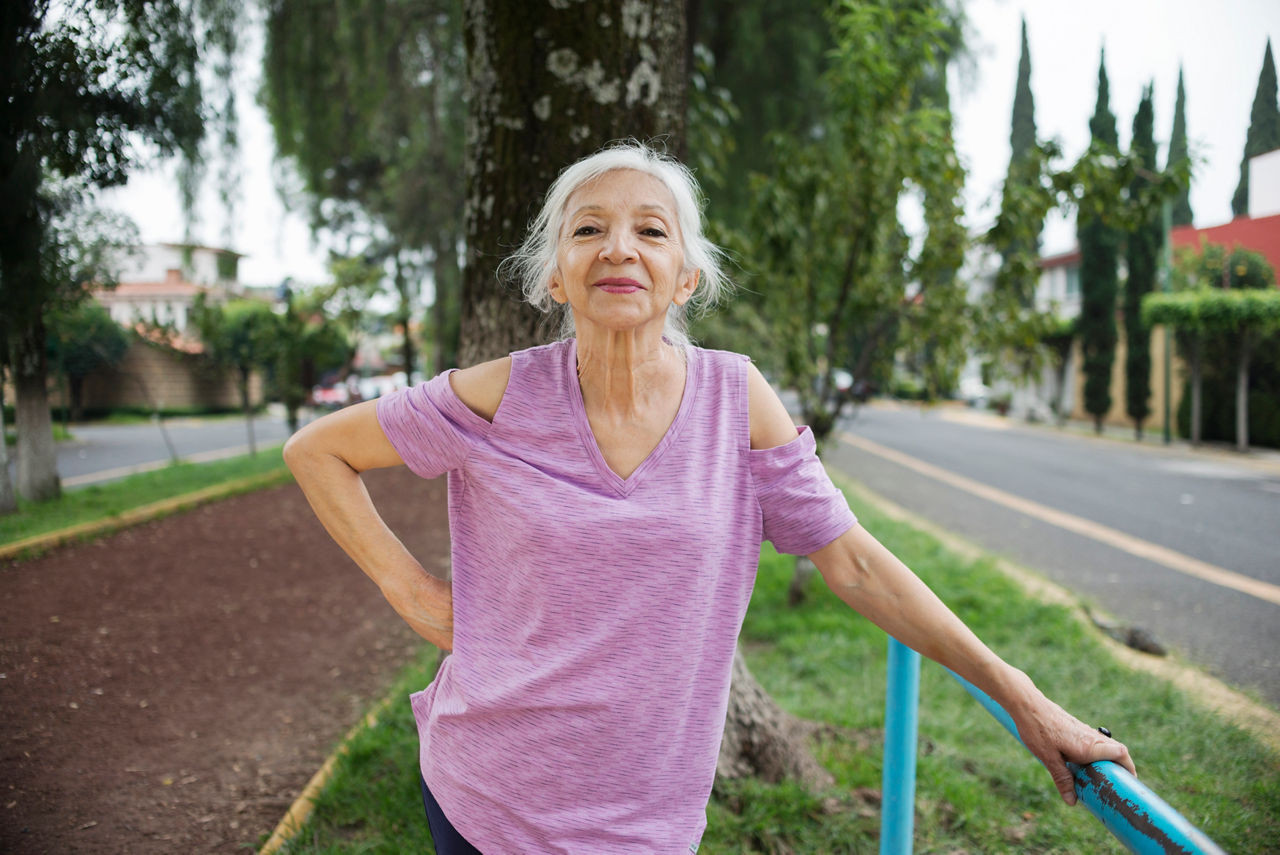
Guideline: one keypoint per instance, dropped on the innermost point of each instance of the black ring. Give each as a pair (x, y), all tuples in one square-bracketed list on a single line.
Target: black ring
[(1104, 732)]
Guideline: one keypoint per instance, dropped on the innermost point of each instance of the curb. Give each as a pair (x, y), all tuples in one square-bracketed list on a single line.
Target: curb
[(134, 516), (300, 811)]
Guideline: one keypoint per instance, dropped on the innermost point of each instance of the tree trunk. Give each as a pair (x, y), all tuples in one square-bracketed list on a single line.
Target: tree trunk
[(763, 740), (8, 498), (1197, 385), (1242, 392), (549, 85), (37, 457), (407, 355), (800, 580), (550, 82), (246, 379)]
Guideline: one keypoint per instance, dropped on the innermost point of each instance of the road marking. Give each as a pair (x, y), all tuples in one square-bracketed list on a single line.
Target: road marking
[(1128, 543)]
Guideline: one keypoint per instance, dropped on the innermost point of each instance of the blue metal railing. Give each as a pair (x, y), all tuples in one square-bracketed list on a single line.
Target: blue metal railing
[(1138, 818)]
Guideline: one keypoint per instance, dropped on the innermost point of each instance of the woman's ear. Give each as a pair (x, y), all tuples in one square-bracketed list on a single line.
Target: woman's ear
[(687, 285), (556, 288)]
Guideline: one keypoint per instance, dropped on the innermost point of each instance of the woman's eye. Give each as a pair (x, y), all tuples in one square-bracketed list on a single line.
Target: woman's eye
[(583, 231), (653, 231)]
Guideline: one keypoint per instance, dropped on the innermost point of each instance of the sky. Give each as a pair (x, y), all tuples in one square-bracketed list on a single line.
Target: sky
[(1219, 46)]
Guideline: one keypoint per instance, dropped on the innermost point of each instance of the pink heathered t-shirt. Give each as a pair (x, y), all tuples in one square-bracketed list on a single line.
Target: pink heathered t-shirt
[(595, 617)]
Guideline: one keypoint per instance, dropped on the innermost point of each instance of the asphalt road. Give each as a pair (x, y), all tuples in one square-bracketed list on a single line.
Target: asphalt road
[(1209, 509), (99, 453)]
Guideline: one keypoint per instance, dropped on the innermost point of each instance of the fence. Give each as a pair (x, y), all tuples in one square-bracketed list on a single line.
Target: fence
[(1138, 818)]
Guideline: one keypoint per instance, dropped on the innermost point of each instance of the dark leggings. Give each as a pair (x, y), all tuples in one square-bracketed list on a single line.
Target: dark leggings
[(446, 838)]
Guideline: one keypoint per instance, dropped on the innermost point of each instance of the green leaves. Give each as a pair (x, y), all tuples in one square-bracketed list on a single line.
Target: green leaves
[(841, 282), (1216, 310)]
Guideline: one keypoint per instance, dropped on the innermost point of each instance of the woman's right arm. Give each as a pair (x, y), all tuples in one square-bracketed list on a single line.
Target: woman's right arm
[(327, 457)]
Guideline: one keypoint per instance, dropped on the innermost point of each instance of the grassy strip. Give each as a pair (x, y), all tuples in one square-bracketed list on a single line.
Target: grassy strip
[(112, 502), (978, 791)]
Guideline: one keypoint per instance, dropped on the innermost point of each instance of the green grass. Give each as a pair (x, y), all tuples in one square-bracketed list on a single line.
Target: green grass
[(978, 790), (103, 501)]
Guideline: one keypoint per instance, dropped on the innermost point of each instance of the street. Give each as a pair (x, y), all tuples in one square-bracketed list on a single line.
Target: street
[(1182, 543), (99, 453)]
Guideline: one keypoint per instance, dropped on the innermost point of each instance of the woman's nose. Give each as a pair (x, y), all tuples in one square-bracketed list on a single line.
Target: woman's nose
[(618, 247)]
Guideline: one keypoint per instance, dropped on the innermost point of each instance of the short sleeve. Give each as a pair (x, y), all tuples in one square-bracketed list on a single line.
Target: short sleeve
[(429, 426), (803, 511)]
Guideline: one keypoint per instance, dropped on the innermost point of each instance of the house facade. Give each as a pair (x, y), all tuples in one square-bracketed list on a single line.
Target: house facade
[(164, 367), (1059, 286)]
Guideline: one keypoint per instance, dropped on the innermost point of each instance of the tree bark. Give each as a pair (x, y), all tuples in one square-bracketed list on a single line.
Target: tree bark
[(548, 85), (8, 498), (1242, 392), (246, 405), (37, 458), (550, 82), (763, 740), (1197, 385)]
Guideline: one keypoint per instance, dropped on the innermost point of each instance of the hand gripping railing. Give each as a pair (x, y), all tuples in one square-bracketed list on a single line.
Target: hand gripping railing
[(1138, 818)]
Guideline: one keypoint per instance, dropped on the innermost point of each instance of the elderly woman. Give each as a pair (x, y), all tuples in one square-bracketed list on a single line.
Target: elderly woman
[(608, 495)]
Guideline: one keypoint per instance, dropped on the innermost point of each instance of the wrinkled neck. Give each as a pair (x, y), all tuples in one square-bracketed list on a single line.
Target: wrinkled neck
[(620, 372)]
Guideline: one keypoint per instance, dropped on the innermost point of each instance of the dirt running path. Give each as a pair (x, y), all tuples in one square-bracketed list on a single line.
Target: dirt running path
[(172, 687)]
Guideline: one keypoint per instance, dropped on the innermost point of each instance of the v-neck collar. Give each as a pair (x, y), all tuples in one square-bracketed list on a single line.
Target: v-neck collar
[(625, 486)]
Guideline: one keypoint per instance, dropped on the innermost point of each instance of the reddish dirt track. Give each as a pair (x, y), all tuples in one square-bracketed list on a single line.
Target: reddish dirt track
[(172, 687)]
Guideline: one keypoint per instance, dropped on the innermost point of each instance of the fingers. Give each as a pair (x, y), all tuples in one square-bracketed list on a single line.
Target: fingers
[(1106, 748), (1064, 781)]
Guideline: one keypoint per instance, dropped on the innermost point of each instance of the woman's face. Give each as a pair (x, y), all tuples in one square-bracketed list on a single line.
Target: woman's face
[(619, 256)]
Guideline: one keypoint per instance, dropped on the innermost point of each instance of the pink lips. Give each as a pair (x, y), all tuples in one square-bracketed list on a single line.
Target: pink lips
[(619, 286)]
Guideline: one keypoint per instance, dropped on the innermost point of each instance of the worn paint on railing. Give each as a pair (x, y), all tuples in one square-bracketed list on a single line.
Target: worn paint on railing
[(1138, 818), (1130, 810), (1135, 815)]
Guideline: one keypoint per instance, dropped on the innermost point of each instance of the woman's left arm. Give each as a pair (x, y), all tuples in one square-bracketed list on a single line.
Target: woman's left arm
[(875, 583), (872, 581)]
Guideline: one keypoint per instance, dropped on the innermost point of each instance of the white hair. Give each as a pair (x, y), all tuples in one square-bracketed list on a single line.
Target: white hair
[(534, 263)]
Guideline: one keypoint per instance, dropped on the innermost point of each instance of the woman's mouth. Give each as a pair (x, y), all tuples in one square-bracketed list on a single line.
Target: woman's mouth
[(619, 286)]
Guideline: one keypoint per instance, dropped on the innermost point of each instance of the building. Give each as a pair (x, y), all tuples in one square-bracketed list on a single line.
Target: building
[(159, 284), (1059, 286), (1260, 234), (164, 367)]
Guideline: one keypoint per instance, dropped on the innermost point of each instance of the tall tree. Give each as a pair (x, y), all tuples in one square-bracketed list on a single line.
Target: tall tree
[(565, 85), (1142, 252), (1178, 154), (80, 84), (366, 99), (1022, 165), (81, 341), (1264, 129), (243, 336), (1099, 250), (843, 284)]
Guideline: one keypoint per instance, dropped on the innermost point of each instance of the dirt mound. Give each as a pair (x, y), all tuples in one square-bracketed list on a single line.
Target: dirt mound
[(172, 687)]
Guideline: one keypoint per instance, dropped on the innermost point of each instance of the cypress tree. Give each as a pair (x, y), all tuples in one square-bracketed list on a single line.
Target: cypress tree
[(1022, 136), (1142, 252), (1264, 129), (1022, 142), (1178, 153), (1099, 248)]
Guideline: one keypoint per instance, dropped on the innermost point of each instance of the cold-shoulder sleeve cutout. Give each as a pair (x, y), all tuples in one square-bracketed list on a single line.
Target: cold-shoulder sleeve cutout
[(802, 510), (430, 427)]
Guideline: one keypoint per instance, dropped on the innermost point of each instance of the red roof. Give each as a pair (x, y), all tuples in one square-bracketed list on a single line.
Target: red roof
[(1062, 259), (1260, 234)]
